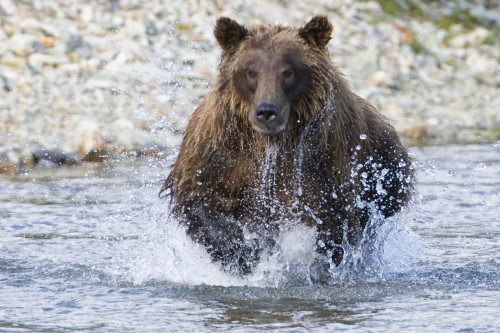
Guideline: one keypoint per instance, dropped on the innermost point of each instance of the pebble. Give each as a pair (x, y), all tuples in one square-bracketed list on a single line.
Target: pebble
[(11, 60), (117, 76), (55, 157), (24, 45), (38, 61)]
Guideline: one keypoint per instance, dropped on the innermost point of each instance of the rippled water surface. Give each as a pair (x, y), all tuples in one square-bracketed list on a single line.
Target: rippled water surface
[(93, 249)]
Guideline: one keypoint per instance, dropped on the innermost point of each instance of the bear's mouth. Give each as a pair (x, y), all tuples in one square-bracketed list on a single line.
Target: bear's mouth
[(270, 131), (268, 119)]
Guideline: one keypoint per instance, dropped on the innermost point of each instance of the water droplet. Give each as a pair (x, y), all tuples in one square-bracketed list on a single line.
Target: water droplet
[(451, 172), (358, 147), (481, 166), (363, 136), (364, 175)]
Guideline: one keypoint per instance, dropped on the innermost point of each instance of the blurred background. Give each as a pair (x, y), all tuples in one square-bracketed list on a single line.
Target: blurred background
[(90, 80)]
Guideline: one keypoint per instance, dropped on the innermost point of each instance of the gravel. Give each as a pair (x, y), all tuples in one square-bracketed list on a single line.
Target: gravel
[(109, 79)]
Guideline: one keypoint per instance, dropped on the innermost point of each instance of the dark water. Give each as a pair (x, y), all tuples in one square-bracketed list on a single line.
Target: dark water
[(93, 250)]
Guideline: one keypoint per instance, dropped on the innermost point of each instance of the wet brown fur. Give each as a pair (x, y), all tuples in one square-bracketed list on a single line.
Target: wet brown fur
[(216, 183)]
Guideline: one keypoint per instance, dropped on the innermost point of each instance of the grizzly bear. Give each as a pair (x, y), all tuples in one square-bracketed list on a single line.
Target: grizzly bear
[(282, 138)]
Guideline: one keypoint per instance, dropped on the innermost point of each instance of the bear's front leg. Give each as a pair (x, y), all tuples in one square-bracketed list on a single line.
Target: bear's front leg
[(330, 241), (223, 237)]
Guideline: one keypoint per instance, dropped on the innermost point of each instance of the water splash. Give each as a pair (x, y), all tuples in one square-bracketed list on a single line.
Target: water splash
[(163, 252), (268, 173)]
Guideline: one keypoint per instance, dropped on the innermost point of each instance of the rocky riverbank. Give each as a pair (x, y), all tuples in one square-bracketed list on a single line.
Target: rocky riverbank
[(121, 77)]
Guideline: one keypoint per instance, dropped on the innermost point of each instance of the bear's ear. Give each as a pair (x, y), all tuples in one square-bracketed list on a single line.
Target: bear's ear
[(317, 31), (229, 33)]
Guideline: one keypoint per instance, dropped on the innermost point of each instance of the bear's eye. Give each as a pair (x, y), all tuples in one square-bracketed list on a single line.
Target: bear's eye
[(287, 74), (251, 74)]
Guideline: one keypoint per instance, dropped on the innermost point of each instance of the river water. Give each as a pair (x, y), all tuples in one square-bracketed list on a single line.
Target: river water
[(92, 249)]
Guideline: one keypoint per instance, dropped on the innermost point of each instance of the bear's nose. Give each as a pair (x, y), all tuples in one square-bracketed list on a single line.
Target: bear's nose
[(266, 112)]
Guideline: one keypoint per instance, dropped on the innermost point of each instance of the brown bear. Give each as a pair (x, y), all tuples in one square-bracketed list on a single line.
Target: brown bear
[(280, 138)]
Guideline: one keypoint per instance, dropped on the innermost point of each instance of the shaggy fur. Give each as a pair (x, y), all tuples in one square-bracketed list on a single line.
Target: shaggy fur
[(282, 137)]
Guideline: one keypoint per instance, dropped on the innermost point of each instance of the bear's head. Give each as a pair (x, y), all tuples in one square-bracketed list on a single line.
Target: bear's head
[(272, 69)]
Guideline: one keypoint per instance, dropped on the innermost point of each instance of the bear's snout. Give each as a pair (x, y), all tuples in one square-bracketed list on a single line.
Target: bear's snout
[(266, 112), (269, 118)]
